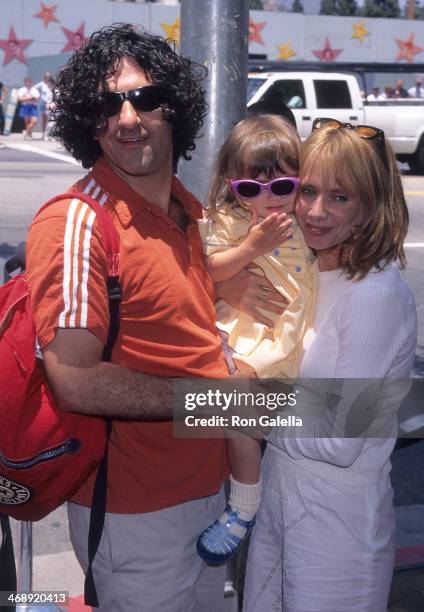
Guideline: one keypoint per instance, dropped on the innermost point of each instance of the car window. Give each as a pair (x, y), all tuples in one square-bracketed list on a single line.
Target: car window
[(332, 94), (253, 85), (289, 92)]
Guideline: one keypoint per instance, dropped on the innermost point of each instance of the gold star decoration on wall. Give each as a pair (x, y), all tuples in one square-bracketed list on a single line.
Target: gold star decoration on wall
[(172, 30), (286, 51), (359, 30)]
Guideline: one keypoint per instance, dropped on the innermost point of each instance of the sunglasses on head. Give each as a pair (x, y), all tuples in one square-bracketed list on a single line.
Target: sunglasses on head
[(281, 187), (144, 99), (368, 132)]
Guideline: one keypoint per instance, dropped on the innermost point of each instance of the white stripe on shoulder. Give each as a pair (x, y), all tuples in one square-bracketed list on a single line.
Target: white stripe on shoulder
[(86, 268), (67, 255), (90, 186), (96, 192), (75, 266)]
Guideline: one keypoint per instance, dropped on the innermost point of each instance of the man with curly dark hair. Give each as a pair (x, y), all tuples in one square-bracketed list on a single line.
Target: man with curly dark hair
[(128, 106)]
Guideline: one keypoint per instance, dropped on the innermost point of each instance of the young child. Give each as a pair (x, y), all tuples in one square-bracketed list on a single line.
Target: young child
[(250, 220)]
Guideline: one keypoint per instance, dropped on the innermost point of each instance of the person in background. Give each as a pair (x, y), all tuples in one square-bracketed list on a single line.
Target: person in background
[(45, 88), (417, 91), (375, 95), (388, 92), (399, 90), (28, 96)]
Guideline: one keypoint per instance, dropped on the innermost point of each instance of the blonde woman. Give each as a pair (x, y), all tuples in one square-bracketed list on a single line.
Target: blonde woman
[(324, 538)]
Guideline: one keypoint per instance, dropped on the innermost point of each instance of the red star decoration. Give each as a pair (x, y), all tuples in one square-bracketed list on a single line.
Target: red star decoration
[(327, 54), (407, 49), (75, 38), (255, 31), (13, 47), (47, 13)]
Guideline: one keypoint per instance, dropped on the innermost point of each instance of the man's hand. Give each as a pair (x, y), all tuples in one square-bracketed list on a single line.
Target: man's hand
[(249, 291)]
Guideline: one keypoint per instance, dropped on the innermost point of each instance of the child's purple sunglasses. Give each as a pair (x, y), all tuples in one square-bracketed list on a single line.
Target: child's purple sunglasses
[(281, 187)]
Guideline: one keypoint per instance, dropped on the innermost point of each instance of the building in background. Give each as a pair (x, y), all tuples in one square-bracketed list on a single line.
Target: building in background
[(38, 35)]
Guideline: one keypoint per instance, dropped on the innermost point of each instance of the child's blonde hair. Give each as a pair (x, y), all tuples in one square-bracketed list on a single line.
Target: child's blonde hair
[(366, 169), (259, 144)]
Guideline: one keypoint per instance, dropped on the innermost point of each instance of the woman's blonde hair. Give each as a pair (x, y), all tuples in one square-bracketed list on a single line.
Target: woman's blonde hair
[(365, 169), (259, 144)]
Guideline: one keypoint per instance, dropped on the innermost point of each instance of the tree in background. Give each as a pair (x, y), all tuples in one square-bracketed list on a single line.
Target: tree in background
[(328, 7), (255, 5), (339, 7), (381, 8), (297, 6)]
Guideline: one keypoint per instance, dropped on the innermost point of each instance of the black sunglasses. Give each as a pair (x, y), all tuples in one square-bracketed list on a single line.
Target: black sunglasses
[(144, 99)]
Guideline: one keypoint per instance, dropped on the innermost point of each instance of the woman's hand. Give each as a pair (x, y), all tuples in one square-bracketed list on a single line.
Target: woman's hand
[(249, 291)]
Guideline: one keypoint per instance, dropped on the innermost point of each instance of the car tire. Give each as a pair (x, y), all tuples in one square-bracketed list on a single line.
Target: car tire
[(416, 161)]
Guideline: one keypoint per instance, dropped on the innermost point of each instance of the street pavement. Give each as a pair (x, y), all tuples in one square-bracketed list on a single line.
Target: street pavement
[(33, 171)]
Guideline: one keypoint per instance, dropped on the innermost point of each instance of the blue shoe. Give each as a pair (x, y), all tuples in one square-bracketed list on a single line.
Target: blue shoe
[(221, 540)]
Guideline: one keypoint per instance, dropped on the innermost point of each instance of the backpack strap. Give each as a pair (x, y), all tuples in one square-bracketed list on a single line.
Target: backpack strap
[(111, 245)]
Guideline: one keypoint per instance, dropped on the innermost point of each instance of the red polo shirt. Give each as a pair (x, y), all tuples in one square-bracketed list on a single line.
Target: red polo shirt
[(167, 327)]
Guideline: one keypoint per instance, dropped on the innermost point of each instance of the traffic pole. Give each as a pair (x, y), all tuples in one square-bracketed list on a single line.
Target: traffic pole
[(214, 33), (25, 582)]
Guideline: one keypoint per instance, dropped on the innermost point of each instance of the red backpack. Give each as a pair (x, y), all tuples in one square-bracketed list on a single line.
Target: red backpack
[(45, 453)]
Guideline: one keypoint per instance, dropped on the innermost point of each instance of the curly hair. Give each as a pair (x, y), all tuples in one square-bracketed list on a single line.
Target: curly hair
[(78, 111)]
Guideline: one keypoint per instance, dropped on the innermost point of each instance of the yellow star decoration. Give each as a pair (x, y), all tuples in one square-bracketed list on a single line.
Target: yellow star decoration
[(360, 30), (286, 51), (172, 30)]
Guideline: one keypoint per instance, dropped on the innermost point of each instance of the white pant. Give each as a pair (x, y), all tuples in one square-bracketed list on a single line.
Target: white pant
[(148, 562), (319, 545)]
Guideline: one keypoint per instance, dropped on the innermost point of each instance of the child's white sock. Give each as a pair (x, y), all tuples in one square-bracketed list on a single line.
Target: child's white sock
[(245, 498)]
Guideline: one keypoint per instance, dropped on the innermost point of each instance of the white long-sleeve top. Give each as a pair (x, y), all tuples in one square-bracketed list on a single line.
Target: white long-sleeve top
[(362, 330)]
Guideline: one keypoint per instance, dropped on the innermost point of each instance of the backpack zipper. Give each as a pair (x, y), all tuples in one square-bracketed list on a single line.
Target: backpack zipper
[(69, 446)]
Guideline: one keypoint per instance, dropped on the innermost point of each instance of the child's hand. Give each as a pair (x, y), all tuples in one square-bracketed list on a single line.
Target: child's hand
[(267, 235)]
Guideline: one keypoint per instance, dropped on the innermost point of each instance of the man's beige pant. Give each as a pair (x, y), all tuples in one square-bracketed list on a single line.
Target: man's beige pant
[(148, 562)]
